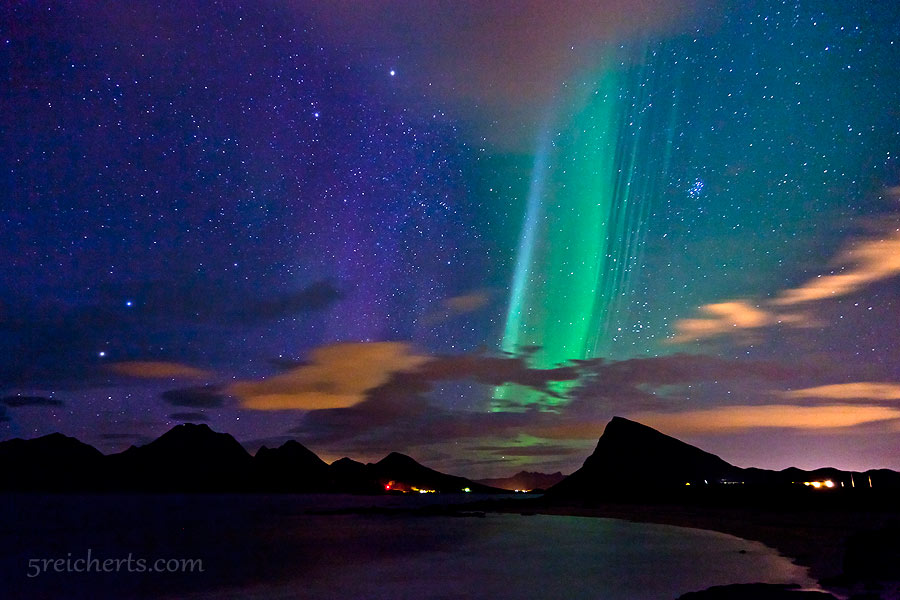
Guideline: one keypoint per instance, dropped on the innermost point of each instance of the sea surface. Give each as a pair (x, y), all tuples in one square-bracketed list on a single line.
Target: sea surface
[(283, 547)]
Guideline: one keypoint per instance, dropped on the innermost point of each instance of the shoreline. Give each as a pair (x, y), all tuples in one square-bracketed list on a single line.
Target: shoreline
[(816, 540)]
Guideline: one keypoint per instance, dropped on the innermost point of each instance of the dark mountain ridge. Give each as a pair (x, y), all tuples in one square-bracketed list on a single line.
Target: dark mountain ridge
[(397, 472), (525, 480), (194, 458), (630, 460), (633, 460)]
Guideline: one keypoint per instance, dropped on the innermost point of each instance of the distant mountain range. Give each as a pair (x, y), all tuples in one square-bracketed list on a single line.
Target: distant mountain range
[(635, 460), (525, 481), (194, 458), (630, 459)]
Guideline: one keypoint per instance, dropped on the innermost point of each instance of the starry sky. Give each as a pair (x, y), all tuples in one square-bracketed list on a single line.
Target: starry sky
[(471, 231)]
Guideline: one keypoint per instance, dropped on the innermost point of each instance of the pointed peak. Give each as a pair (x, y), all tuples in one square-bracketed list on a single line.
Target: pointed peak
[(619, 427), (622, 422)]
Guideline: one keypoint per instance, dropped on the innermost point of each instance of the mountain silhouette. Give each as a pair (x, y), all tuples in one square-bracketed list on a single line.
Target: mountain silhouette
[(400, 472), (630, 459), (633, 456), (49, 462), (188, 457), (636, 461), (194, 458), (289, 468), (352, 477)]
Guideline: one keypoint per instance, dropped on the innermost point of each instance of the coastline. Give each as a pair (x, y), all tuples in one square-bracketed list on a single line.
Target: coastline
[(816, 540)]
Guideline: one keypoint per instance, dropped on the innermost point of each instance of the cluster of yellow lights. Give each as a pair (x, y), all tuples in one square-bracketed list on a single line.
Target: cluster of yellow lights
[(819, 484), (422, 491), (521, 491)]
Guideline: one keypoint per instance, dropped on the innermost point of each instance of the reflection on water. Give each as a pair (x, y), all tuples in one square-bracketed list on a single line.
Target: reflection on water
[(271, 547)]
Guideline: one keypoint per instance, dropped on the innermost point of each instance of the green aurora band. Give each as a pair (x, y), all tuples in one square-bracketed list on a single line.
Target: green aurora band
[(592, 186)]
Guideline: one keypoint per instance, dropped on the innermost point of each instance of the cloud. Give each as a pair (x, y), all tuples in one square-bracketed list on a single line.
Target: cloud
[(207, 396), (188, 416), (729, 419), (867, 262), (374, 424), (189, 300), (51, 341), (492, 370), (569, 429), (727, 317), (150, 369), (283, 363), (538, 449), (338, 376), (400, 414), (316, 296), (458, 305), (17, 401), (640, 382), (860, 390), (342, 375)]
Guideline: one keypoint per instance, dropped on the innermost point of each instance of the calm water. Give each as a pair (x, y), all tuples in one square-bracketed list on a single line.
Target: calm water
[(271, 547)]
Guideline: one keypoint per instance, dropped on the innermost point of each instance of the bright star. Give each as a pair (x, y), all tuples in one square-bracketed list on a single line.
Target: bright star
[(393, 72)]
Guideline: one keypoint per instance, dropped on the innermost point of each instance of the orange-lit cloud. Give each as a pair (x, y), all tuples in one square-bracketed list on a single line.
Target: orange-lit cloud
[(728, 419), (860, 390), (152, 369), (865, 263), (868, 262), (722, 317), (339, 376), (732, 317)]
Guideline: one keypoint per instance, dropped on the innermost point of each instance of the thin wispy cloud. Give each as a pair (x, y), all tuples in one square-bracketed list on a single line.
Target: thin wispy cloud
[(730, 419), (862, 264), (859, 390), (152, 369)]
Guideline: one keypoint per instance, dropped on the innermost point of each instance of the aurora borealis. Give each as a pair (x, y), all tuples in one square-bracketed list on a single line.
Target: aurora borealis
[(590, 198), (517, 222)]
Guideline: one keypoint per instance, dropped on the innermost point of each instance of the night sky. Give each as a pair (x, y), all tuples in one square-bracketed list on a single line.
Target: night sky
[(470, 231)]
